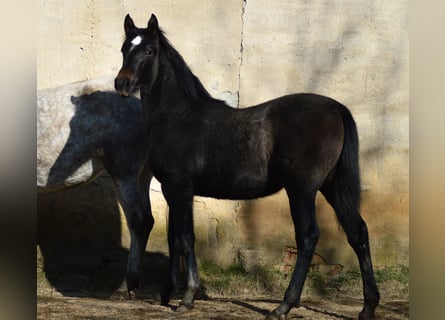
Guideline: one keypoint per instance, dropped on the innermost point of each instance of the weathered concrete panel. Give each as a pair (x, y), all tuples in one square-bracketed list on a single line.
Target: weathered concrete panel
[(353, 51), (79, 40), (357, 53)]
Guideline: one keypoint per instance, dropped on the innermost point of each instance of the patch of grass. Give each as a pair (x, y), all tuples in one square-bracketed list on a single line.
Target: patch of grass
[(235, 280), (317, 282), (399, 273), (393, 281)]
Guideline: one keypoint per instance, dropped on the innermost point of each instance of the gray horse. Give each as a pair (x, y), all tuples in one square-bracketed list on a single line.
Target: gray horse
[(84, 128)]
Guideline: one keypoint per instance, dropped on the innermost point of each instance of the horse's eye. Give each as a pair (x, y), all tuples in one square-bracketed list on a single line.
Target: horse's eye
[(149, 52)]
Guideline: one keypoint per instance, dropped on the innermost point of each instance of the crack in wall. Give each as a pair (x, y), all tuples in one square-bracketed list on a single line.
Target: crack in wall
[(217, 231), (241, 51)]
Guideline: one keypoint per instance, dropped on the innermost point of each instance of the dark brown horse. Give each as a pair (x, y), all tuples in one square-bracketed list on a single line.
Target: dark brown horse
[(200, 146)]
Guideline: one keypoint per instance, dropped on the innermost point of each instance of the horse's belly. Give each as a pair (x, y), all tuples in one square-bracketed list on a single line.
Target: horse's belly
[(237, 188)]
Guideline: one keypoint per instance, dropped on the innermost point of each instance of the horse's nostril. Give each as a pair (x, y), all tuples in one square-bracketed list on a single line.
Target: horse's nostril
[(122, 84), (118, 83)]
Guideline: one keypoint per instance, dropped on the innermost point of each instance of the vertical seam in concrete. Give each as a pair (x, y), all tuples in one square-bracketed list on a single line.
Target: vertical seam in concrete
[(241, 50)]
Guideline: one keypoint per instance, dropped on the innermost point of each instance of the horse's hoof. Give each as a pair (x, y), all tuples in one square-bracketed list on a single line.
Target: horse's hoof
[(184, 308), (274, 316), (132, 283), (366, 315), (165, 301), (120, 295), (131, 294), (165, 297)]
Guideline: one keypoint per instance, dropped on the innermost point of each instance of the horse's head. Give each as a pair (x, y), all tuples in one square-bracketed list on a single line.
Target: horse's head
[(140, 57)]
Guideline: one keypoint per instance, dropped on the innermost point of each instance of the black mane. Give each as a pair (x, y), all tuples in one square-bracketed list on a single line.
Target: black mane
[(191, 84)]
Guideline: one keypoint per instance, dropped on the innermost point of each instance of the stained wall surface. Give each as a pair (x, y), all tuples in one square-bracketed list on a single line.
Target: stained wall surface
[(247, 52)]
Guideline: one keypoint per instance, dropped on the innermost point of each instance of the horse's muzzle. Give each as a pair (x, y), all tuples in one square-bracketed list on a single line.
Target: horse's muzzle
[(125, 82)]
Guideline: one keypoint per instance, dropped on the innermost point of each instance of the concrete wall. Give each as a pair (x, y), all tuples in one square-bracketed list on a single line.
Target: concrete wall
[(248, 52)]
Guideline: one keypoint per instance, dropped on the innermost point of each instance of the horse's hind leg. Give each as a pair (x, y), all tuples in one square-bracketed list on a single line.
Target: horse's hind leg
[(134, 199), (302, 207), (357, 235)]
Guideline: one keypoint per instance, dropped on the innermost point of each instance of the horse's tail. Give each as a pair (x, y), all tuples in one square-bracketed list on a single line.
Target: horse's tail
[(342, 189)]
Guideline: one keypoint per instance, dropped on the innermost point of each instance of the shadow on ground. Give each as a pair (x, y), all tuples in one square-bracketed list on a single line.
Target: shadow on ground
[(79, 243)]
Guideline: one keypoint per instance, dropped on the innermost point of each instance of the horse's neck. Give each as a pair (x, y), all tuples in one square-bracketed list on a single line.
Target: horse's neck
[(164, 95)]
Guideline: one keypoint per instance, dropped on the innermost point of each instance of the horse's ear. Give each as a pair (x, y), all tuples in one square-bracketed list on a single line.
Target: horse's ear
[(128, 24), (152, 26)]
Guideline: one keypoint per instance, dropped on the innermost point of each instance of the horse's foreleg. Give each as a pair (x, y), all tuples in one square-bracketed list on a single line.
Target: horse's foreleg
[(193, 282), (174, 253), (136, 205), (306, 230), (180, 201)]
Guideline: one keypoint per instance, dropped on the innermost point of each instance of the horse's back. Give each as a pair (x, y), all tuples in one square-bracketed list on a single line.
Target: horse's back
[(254, 151)]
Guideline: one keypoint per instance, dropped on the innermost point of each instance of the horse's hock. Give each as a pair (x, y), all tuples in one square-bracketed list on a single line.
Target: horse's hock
[(355, 52)]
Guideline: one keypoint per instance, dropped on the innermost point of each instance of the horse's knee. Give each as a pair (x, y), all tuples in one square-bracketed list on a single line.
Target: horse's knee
[(140, 224)]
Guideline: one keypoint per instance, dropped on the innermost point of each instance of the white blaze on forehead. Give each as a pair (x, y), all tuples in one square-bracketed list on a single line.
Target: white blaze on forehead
[(136, 41)]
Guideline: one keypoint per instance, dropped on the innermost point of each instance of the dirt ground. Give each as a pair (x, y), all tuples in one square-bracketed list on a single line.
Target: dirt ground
[(68, 291), (77, 278), (68, 296), (57, 306)]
